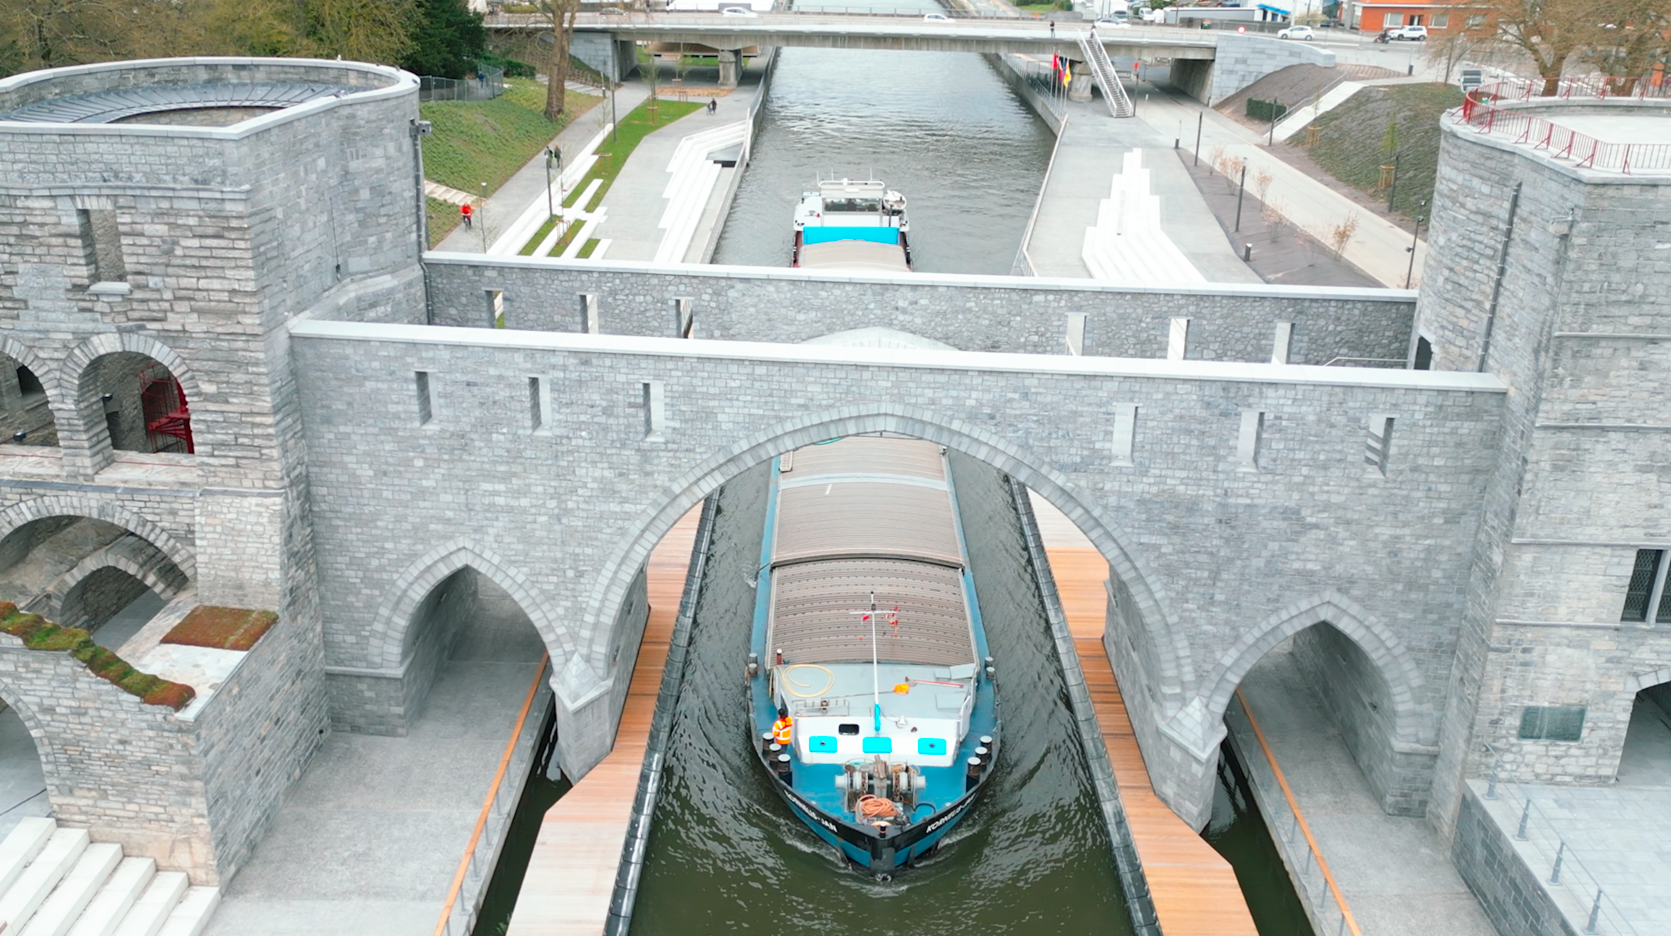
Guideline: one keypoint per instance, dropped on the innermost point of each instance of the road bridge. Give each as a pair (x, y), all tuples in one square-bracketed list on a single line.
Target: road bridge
[(893, 33)]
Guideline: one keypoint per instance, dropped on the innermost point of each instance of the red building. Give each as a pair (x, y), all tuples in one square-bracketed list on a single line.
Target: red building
[(1438, 15)]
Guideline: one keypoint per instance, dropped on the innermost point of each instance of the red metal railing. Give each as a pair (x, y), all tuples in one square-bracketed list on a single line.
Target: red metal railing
[(1479, 111)]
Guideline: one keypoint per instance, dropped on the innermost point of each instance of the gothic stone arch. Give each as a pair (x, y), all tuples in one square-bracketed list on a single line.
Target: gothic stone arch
[(75, 505)]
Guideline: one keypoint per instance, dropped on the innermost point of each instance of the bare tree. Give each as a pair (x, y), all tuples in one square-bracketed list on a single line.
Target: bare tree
[(559, 15), (1549, 31), (1341, 234), (1449, 48), (1631, 35)]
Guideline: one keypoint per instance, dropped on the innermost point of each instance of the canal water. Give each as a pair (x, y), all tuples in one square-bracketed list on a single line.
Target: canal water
[(726, 855), (939, 127)]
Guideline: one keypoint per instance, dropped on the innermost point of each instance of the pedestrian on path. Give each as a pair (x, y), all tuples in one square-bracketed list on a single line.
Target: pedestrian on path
[(1052, 29), (465, 212), (713, 105)]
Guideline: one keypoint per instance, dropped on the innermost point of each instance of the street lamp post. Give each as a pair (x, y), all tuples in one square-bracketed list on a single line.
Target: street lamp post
[(481, 216), (550, 208), (1410, 271)]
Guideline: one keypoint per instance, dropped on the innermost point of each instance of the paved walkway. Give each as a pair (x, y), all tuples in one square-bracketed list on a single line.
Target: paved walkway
[(1378, 246), (1394, 871), (571, 872), (635, 203), (1087, 157), (368, 841), (513, 198), (1617, 837)]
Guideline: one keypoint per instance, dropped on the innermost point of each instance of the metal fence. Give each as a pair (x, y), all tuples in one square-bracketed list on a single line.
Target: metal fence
[(487, 84), (1043, 80), (1480, 111), (1586, 900)]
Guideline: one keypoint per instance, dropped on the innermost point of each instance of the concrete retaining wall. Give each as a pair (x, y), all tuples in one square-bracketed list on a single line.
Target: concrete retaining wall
[(972, 313), (1244, 59)]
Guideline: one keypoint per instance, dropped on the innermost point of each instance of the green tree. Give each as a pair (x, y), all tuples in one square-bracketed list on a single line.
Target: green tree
[(446, 37)]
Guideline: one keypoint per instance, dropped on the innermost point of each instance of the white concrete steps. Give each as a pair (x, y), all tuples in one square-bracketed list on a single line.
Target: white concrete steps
[(192, 914), (152, 908), (23, 898), (692, 183), (72, 895), (113, 901), (1127, 244), (21, 847), (57, 882)]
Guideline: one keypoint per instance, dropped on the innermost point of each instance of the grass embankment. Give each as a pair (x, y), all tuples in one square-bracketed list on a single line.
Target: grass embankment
[(487, 141), (1354, 140), (612, 155)]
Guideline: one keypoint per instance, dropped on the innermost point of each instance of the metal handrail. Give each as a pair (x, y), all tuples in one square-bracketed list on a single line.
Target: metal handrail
[(1113, 92), (1566, 868), (1314, 855), (1363, 361), (1023, 265), (444, 926)]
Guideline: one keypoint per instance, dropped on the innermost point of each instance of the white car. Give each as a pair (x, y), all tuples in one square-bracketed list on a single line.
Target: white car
[(1412, 33), (1112, 24), (937, 18), (1297, 32), (738, 11)]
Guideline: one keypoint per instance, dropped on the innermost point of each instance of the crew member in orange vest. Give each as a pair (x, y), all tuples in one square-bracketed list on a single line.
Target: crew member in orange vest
[(782, 729)]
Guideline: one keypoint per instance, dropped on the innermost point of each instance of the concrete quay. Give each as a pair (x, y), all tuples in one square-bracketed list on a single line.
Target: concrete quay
[(1391, 875), (369, 840)]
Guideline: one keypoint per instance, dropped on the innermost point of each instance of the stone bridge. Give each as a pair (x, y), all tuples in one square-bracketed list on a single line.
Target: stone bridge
[(362, 433)]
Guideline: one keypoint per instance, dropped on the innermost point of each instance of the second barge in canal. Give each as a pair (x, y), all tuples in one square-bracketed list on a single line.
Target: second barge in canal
[(851, 224), (871, 692)]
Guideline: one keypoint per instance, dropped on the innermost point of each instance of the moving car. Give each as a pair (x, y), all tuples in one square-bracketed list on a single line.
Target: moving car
[(937, 18), (1297, 32), (738, 11), (1112, 24), (1412, 33)]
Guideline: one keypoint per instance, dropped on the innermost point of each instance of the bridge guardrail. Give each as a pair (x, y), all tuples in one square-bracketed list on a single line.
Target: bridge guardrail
[(1479, 110)]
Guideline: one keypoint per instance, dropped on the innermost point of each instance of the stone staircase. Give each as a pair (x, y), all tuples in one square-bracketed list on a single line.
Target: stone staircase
[(56, 882)]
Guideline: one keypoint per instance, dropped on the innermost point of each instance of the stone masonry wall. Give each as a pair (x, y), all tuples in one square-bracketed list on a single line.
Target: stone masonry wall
[(1513, 898), (1360, 704), (1580, 332), (970, 313), (588, 482), (1243, 59), (130, 772)]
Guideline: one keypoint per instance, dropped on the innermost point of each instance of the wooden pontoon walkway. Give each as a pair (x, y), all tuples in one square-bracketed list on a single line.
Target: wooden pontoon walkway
[(571, 873), (1194, 889)]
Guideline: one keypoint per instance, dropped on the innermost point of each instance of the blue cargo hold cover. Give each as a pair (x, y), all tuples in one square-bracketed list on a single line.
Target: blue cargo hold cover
[(825, 235)]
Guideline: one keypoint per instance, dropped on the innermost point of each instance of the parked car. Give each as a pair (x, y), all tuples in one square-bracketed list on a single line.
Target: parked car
[(1297, 32), (738, 11), (937, 18), (1412, 33)]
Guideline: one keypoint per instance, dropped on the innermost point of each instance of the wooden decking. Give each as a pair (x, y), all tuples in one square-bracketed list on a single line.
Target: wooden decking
[(572, 871), (1194, 889)]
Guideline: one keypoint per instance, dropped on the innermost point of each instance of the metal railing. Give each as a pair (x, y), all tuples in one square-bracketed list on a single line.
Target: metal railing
[(1396, 363), (1314, 883), (488, 86), (1590, 908), (1045, 83), (1479, 110), (1114, 93), (458, 916)]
